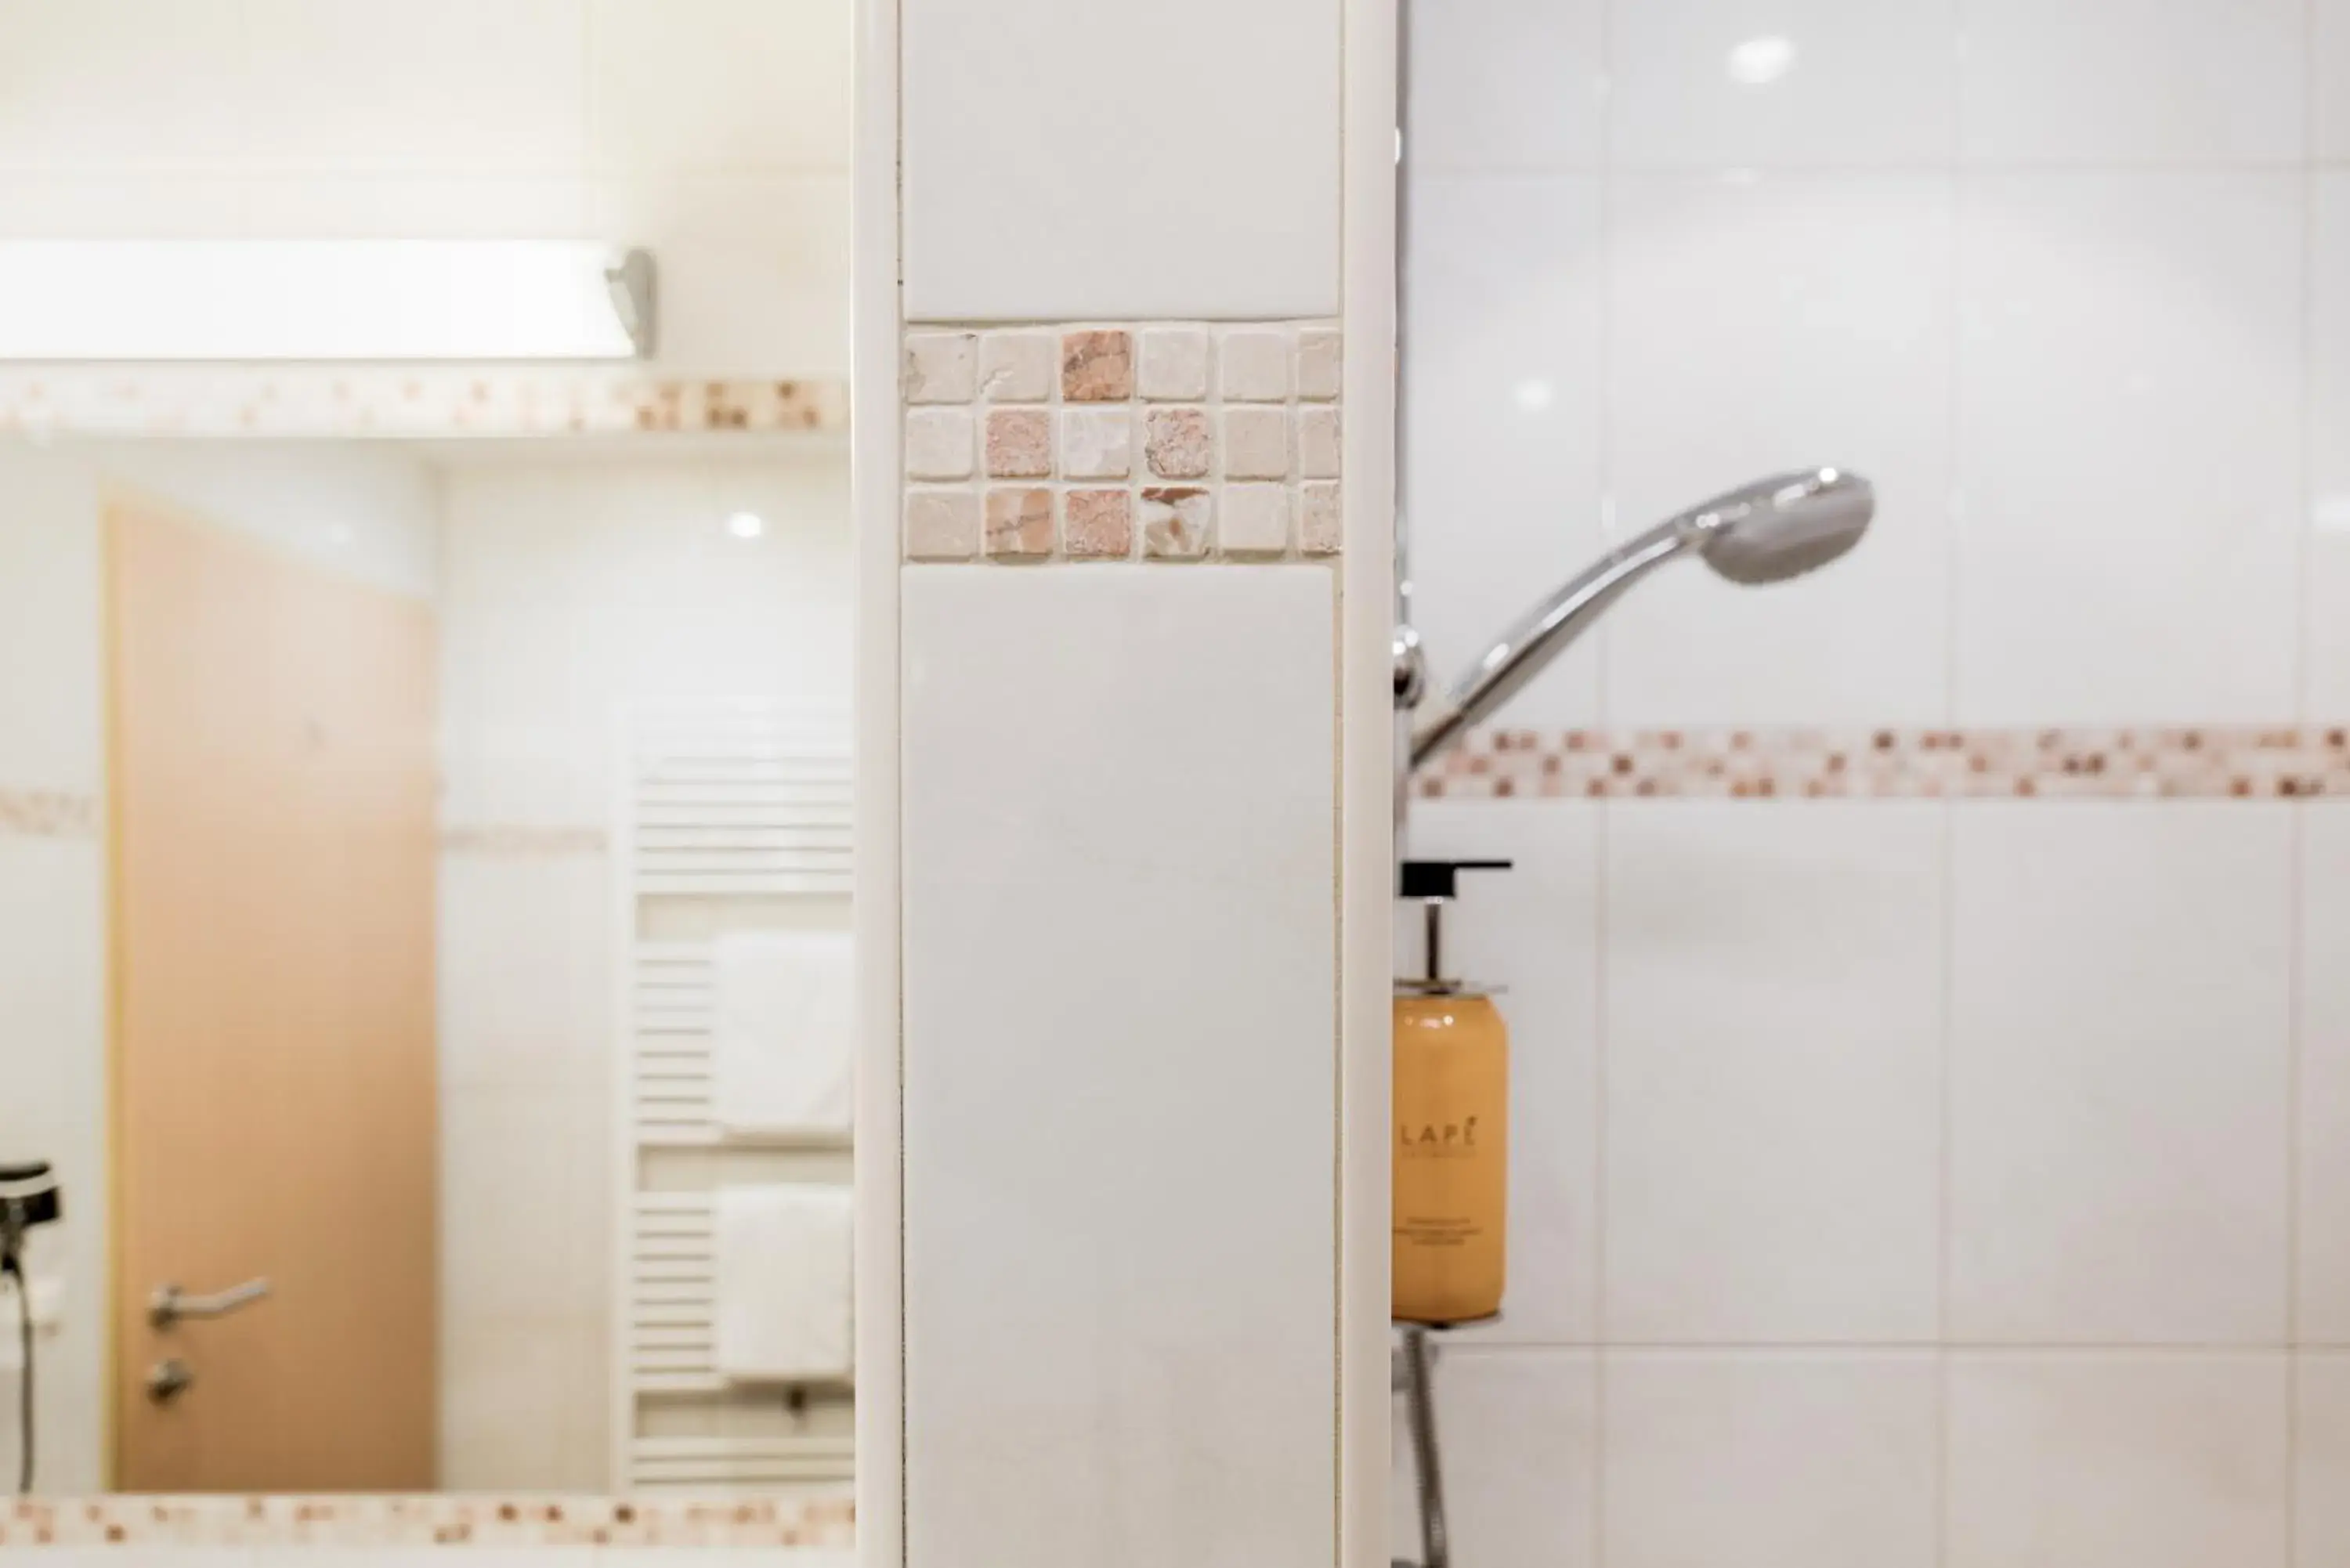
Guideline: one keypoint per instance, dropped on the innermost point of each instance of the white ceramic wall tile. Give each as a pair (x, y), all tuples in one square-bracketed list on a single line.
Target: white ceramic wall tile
[(523, 1407), (530, 1235), (2321, 1456), (1740, 346), (1535, 929), (2134, 81), (120, 82), (2330, 77), (1119, 1061), (565, 591), (1505, 84), (2129, 419), (711, 85), (2324, 1028), (1043, 180), (1774, 988), (2325, 664), (1519, 1434), (525, 989), (478, 86), (753, 268), (52, 712), (53, 932), (2120, 997), (1721, 83), (395, 206), (102, 206), (1772, 1460), (2117, 1461), (1501, 420)]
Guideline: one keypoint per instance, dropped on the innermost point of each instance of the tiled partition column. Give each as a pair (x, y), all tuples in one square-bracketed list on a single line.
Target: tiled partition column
[(1123, 451)]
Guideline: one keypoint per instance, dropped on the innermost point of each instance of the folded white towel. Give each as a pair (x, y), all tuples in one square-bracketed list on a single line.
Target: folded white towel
[(785, 1064), (786, 1300)]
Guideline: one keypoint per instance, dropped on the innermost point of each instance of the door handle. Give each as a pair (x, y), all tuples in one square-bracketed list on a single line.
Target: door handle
[(170, 1303)]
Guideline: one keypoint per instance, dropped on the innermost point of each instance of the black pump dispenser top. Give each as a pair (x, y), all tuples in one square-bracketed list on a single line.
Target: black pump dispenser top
[(1436, 883)]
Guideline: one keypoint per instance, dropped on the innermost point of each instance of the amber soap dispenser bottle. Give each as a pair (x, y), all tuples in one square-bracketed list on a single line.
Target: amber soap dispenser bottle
[(1452, 1126)]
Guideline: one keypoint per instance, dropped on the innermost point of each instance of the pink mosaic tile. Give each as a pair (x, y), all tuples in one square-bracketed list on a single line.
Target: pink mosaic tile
[(1097, 366), (1099, 527), (1020, 523), (1176, 522), (1019, 444), (1178, 443), (1166, 442), (2214, 763)]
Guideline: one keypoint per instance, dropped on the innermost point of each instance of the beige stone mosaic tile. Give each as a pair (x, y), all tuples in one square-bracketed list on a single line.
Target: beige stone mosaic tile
[(47, 814), (356, 401), (134, 1522), (2214, 761), (1174, 441)]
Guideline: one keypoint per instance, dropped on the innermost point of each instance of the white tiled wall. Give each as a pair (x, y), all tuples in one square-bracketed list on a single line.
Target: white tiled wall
[(1904, 1182), (570, 587), (1046, 177), (52, 939), (713, 131), (1119, 1109), (2076, 296)]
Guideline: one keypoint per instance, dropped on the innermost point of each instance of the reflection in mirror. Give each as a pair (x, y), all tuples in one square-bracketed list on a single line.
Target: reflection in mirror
[(423, 942)]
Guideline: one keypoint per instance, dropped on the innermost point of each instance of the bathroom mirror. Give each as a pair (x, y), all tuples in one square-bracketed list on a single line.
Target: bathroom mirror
[(424, 951)]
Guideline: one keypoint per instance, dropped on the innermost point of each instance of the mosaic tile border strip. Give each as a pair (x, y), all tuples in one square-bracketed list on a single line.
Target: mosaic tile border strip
[(47, 814), (166, 400), (512, 841), (419, 1521), (2183, 763), (1160, 441)]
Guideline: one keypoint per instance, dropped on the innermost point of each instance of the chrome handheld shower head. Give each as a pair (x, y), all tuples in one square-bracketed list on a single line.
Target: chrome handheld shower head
[(1783, 527), (1765, 532)]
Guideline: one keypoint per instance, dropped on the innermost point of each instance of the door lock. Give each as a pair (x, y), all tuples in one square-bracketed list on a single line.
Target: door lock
[(167, 1380)]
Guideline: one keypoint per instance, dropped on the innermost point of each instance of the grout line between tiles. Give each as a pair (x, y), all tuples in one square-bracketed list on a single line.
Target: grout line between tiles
[(1604, 340), (1946, 1165), (2296, 1029), (1601, 835)]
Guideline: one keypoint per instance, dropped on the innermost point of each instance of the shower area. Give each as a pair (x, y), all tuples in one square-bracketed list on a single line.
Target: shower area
[(1930, 1054)]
